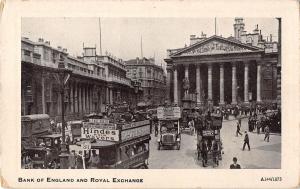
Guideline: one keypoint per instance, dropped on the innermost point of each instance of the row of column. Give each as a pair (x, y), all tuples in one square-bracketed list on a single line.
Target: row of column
[(81, 98), (234, 83)]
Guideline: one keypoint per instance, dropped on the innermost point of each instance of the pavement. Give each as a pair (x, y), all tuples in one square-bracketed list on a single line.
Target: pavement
[(263, 155)]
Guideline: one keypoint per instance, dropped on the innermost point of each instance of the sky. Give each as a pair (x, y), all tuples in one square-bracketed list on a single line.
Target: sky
[(122, 36)]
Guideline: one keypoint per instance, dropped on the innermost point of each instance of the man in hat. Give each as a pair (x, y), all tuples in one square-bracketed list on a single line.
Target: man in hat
[(238, 127), (72, 160), (235, 165), (246, 141), (94, 160), (48, 158), (204, 151), (79, 160), (267, 133)]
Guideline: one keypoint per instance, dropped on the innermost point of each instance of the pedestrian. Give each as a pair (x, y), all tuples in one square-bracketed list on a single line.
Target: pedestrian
[(238, 128), (191, 126), (72, 160), (156, 128), (258, 127), (204, 153), (215, 148), (235, 165), (94, 160), (79, 160), (267, 133), (246, 141), (48, 159)]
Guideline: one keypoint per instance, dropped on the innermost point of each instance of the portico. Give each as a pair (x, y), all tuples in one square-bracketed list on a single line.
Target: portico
[(218, 70)]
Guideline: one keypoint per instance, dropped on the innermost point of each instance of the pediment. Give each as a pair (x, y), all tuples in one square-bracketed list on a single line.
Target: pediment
[(216, 45)]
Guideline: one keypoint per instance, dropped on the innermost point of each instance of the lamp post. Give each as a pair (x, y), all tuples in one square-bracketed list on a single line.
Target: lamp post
[(136, 90), (62, 76)]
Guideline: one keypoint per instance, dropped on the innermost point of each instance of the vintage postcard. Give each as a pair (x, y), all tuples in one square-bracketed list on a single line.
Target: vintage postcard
[(92, 92)]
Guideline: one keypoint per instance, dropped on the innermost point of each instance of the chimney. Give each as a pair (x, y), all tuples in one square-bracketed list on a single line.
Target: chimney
[(59, 48), (65, 50), (48, 43), (270, 37), (41, 40)]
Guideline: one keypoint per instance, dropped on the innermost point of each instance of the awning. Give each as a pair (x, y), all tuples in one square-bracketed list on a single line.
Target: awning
[(34, 117)]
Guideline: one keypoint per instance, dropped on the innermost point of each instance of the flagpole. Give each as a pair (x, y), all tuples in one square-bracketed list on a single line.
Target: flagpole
[(215, 25), (142, 56), (100, 37)]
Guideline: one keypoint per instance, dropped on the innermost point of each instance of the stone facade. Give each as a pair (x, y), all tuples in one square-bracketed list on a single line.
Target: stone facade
[(152, 78), (240, 69), (95, 81)]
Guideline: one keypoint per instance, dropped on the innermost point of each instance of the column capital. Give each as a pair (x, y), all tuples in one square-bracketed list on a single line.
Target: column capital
[(259, 62), (233, 64), (221, 64), (186, 65), (174, 67), (246, 63)]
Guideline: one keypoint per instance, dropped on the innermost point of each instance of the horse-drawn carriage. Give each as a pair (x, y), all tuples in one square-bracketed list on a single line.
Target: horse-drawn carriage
[(209, 144)]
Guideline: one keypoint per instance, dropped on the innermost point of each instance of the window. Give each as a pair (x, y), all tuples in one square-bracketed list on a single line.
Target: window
[(26, 52), (46, 54)]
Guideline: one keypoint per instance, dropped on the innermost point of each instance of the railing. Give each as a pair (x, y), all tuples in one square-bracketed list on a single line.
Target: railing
[(122, 81), (88, 74)]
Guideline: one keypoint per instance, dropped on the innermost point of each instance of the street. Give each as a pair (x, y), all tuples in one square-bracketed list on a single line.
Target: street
[(263, 155)]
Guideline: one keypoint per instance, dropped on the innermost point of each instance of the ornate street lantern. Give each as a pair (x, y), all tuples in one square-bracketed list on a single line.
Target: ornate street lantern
[(136, 90), (62, 76)]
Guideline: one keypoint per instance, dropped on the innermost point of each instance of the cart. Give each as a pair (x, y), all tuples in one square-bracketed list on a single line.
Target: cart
[(209, 144)]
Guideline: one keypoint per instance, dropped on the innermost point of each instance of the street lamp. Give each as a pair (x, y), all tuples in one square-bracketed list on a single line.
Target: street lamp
[(62, 76), (136, 90)]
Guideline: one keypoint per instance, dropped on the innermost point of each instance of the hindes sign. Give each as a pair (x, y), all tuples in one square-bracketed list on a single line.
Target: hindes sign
[(99, 134)]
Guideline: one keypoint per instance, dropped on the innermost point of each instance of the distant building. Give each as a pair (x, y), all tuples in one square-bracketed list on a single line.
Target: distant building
[(152, 78), (95, 81), (239, 69)]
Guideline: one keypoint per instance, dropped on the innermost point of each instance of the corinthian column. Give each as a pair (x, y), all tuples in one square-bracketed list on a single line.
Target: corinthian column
[(246, 82), (233, 101), (168, 84), (209, 73), (258, 89), (175, 86), (222, 84), (198, 89)]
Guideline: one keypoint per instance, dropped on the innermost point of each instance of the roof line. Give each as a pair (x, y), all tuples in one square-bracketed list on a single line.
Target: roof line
[(218, 37)]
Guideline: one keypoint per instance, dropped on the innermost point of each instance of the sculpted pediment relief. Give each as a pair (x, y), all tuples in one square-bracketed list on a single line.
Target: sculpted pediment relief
[(216, 46)]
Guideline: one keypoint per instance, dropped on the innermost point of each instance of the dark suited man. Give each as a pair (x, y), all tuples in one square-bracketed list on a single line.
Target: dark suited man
[(246, 141), (204, 153), (235, 165)]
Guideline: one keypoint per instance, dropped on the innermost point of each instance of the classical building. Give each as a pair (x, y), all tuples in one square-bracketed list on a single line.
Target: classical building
[(152, 78), (239, 69), (95, 81)]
